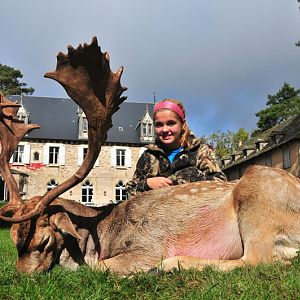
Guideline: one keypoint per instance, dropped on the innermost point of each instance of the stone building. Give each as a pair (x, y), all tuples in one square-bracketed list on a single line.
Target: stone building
[(49, 155), (277, 147)]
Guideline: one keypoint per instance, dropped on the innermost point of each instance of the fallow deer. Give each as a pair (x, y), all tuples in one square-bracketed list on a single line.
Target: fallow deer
[(222, 224)]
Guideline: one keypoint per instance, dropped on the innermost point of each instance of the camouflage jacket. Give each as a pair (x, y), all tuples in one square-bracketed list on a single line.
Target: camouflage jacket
[(191, 164)]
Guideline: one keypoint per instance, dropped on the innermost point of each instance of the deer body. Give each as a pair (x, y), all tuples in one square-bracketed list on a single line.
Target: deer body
[(223, 224), (218, 223)]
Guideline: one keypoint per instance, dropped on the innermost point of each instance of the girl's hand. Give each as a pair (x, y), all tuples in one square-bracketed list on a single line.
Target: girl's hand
[(158, 182)]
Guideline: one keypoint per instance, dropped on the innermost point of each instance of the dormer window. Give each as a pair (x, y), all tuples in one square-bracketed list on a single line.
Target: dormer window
[(21, 117), (276, 137), (146, 127), (84, 124), (22, 113)]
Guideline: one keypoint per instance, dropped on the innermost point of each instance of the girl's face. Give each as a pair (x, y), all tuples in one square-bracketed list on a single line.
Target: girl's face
[(168, 128)]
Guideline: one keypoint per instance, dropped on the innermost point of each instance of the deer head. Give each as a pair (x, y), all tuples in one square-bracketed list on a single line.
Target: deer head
[(87, 78)]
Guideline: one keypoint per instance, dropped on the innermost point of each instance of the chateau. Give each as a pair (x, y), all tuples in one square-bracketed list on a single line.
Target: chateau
[(48, 156)]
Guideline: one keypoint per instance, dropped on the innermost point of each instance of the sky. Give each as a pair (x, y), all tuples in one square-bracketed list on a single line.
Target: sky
[(220, 58)]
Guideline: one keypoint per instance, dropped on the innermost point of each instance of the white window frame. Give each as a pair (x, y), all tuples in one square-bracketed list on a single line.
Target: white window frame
[(88, 188), (146, 129), (61, 154), (120, 191), (18, 155), (51, 184), (120, 157), (24, 158), (80, 155), (127, 157), (53, 155)]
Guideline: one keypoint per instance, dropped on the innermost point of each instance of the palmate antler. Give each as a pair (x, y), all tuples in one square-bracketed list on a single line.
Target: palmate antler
[(87, 78), (12, 130)]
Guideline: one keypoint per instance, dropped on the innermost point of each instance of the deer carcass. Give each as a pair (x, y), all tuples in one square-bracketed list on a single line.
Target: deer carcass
[(222, 224)]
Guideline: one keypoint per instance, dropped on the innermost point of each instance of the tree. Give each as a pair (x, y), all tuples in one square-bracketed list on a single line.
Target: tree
[(10, 84), (224, 143), (281, 106)]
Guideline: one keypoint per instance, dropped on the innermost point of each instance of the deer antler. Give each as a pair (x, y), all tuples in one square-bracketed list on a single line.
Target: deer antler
[(87, 78), (12, 131)]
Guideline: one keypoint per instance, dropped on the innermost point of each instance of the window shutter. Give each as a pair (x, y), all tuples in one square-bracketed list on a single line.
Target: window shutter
[(46, 155), (128, 157), (26, 154), (80, 155), (62, 155), (113, 157), (141, 151), (11, 159)]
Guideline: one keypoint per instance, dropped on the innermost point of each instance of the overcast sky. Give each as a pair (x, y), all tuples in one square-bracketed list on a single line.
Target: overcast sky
[(221, 58)]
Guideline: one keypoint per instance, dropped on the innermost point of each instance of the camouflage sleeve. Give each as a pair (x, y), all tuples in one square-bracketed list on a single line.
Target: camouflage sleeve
[(206, 168), (207, 163), (138, 183)]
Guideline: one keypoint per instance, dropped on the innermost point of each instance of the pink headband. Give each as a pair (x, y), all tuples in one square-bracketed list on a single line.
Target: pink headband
[(169, 105)]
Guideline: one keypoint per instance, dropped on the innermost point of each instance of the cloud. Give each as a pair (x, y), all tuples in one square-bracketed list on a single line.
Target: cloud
[(221, 58)]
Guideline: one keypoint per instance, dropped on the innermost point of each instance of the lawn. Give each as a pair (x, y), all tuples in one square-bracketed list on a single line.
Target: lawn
[(264, 282)]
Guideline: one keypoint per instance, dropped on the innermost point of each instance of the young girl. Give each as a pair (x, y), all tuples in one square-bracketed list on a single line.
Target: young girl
[(176, 156)]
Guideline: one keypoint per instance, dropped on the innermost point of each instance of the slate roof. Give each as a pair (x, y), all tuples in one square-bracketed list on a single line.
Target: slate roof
[(59, 120), (286, 131)]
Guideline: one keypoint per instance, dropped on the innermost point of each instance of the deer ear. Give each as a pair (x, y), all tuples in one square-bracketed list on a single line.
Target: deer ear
[(63, 222)]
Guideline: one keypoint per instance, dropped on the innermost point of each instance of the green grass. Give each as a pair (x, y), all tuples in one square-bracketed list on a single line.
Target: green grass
[(264, 282)]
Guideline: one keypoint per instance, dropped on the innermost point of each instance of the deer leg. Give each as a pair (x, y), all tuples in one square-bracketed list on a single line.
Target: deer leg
[(126, 263), (186, 262)]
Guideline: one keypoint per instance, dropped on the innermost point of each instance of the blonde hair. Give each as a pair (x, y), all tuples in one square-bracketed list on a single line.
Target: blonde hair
[(185, 131)]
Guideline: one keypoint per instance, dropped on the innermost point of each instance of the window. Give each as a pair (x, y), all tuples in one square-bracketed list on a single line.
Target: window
[(21, 155), (84, 124), (3, 191), (21, 117), (268, 160), (286, 157), (51, 184), (146, 129), (150, 131), (120, 191), (121, 157), (36, 156), (53, 154), (18, 156), (87, 192)]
